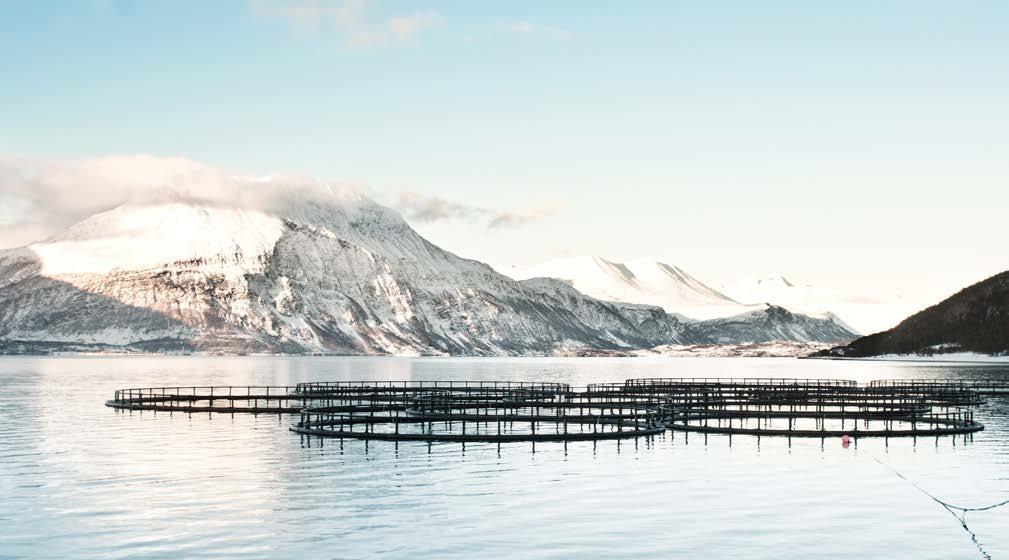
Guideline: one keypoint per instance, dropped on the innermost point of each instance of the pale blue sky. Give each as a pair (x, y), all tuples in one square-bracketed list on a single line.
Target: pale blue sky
[(727, 137)]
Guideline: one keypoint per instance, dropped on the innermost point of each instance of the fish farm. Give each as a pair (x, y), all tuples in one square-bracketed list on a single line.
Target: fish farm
[(502, 411)]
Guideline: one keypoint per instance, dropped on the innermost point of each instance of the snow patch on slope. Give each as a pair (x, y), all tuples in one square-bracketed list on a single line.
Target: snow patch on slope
[(865, 314), (641, 281), (133, 237)]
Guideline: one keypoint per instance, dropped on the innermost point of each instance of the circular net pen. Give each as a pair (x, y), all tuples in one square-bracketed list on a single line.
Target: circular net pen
[(476, 412), (810, 408), (403, 390), (252, 399), (503, 411), (981, 387)]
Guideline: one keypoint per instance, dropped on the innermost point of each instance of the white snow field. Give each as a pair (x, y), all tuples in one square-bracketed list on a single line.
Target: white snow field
[(865, 314), (640, 281)]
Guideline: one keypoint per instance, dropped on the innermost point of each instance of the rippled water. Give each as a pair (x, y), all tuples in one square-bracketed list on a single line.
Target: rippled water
[(79, 480)]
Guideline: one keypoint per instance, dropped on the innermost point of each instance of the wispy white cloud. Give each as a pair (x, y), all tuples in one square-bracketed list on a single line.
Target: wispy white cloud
[(533, 213), (426, 208), (41, 198), (528, 27), (349, 18)]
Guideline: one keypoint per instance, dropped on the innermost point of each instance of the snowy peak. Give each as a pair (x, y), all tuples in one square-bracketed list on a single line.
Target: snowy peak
[(142, 237), (659, 275), (865, 314), (768, 324), (312, 275), (317, 271), (234, 234), (772, 282), (753, 287), (640, 281)]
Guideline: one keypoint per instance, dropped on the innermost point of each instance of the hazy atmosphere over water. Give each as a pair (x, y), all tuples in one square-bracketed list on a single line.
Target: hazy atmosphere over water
[(730, 139)]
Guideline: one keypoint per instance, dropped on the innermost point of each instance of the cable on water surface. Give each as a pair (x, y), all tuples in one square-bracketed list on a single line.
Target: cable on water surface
[(952, 509)]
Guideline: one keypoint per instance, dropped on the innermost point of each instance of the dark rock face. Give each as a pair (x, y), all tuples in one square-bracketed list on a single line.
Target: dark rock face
[(976, 319)]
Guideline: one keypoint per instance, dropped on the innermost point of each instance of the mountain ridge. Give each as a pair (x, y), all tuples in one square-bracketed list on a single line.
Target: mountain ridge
[(341, 275), (643, 281), (864, 314)]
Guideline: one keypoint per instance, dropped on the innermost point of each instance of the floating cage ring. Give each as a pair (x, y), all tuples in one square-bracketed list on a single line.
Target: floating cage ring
[(536, 411), (491, 415)]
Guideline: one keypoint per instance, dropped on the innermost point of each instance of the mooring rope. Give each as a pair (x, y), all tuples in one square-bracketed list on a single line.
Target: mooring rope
[(939, 501), (952, 509)]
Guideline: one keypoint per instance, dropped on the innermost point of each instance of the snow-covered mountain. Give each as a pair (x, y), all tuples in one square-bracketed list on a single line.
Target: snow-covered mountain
[(642, 281), (768, 324), (864, 314), (328, 273)]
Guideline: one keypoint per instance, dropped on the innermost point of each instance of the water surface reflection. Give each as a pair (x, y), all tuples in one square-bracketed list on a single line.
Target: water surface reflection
[(80, 480)]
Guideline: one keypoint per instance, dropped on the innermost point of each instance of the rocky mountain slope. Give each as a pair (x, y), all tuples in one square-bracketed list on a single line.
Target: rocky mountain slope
[(768, 324), (334, 273), (976, 319)]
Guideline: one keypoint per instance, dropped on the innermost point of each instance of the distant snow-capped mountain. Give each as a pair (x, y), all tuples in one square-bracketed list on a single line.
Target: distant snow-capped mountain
[(641, 281), (333, 273), (864, 314), (768, 324)]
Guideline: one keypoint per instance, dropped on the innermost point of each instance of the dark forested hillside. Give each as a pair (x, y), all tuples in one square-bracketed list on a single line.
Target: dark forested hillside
[(976, 319)]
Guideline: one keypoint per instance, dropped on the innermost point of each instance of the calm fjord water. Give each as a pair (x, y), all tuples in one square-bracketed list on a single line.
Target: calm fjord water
[(79, 480)]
